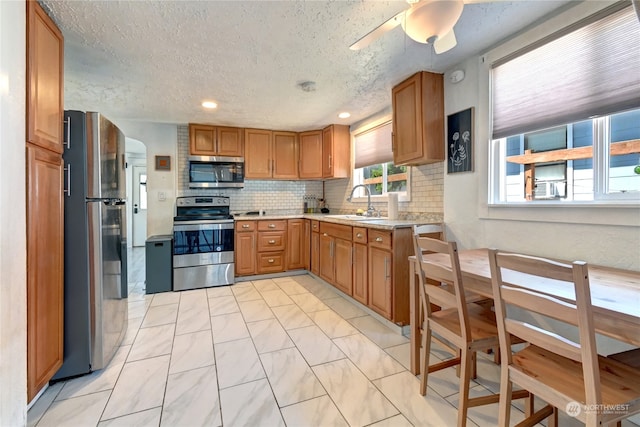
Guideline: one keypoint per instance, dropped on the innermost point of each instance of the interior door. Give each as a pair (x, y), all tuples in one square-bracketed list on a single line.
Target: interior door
[(139, 225)]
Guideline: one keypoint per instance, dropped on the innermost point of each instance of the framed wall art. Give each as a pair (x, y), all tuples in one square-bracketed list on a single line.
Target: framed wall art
[(460, 141), (163, 163)]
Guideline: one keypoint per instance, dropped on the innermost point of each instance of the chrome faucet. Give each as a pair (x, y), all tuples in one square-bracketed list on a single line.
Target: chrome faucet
[(370, 209)]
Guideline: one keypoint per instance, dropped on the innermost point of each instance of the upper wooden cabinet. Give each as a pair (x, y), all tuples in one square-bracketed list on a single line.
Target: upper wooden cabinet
[(45, 77), (311, 154), (336, 152), (418, 120), (326, 153), (206, 140), (271, 154)]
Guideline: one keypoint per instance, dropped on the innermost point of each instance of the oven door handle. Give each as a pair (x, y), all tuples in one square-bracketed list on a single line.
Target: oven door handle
[(199, 227)]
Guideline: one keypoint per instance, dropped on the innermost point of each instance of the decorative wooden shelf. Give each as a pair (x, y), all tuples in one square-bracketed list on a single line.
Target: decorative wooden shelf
[(617, 149)]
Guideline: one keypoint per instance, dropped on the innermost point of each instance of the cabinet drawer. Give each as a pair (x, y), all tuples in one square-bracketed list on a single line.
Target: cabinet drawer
[(270, 262), (274, 241), (336, 230), (245, 226), (380, 239), (279, 225), (315, 226), (360, 235)]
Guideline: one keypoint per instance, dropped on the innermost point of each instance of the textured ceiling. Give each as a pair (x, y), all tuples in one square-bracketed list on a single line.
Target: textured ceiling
[(158, 60)]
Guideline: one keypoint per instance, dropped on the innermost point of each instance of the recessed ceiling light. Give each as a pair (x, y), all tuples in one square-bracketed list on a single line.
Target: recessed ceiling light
[(209, 104), (344, 115)]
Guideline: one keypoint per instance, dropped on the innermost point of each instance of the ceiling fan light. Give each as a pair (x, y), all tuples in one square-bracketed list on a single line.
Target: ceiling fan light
[(432, 18)]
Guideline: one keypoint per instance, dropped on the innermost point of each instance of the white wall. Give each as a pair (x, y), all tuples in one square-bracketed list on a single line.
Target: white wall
[(160, 140), (13, 303), (600, 235)]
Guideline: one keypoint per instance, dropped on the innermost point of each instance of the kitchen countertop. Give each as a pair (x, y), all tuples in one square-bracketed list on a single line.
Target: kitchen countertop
[(381, 224)]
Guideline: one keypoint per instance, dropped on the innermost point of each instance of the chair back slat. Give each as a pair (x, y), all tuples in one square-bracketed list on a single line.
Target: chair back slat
[(438, 295), (536, 266), (543, 304), (543, 338), (427, 244)]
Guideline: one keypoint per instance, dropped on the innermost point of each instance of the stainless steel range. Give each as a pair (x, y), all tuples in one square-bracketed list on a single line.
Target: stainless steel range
[(202, 243)]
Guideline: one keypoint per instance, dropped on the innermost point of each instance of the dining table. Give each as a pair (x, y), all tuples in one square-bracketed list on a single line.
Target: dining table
[(615, 296)]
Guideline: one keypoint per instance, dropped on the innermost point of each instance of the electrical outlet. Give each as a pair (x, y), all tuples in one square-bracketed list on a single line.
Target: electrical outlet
[(162, 196)]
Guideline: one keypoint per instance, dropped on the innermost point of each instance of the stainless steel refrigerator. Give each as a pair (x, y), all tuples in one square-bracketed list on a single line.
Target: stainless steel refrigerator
[(95, 247)]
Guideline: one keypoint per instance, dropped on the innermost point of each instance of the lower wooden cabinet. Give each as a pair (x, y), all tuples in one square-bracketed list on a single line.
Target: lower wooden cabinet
[(380, 284), (343, 257), (315, 247), (245, 248), (45, 267), (296, 240), (360, 266), (327, 263)]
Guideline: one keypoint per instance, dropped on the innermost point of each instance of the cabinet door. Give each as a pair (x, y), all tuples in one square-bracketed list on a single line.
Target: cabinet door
[(229, 141), (257, 159), (202, 140), (45, 59), (311, 154), (245, 252), (295, 244), (315, 253), (45, 257), (327, 152), (327, 264), (407, 126), (380, 295), (360, 266), (285, 155), (306, 249), (343, 261)]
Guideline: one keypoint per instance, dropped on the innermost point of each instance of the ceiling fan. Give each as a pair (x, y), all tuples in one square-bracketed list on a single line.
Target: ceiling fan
[(425, 21)]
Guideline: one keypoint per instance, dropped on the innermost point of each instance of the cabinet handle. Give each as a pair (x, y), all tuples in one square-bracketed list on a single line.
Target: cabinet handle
[(386, 273), (245, 225), (271, 261), (315, 227), (329, 161), (272, 226), (378, 239), (331, 249), (325, 234), (273, 165), (359, 235), (68, 141), (353, 257), (272, 242), (68, 189)]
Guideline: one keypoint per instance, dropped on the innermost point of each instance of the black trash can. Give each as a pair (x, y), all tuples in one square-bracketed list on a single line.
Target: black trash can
[(159, 254)]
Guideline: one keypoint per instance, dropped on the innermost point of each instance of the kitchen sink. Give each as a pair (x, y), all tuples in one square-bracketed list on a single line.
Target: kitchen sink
[(356, 217)]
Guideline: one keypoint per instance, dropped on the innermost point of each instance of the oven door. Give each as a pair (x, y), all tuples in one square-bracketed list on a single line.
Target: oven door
[(202, 242)]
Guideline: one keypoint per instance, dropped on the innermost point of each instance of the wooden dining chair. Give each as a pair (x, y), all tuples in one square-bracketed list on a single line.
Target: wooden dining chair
[(467, 327), (567, 374)]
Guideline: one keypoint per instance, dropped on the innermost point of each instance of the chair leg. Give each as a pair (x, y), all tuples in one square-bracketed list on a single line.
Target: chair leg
[(466, 363), (426, 352), (553, 419), (504, 410)]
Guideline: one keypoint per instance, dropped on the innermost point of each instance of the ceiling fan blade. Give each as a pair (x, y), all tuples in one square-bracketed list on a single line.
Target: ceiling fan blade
[(378, 31), (445, 43)]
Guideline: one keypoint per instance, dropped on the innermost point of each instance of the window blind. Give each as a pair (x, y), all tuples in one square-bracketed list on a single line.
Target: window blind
[(590, 71), (373, 146)]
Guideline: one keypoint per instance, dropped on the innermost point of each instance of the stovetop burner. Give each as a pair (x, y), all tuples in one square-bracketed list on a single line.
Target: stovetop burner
[(202, 208)]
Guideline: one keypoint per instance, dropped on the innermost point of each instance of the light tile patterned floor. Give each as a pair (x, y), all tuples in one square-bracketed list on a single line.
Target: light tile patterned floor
[(285, 351)]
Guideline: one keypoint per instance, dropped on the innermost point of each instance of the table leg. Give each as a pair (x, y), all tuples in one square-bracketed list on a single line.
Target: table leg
[(414, 320)]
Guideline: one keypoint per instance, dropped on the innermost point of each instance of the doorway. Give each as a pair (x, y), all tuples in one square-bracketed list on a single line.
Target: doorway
[(139, 224)]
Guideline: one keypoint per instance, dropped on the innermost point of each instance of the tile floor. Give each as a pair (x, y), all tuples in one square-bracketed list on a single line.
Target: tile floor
[(285, 351)]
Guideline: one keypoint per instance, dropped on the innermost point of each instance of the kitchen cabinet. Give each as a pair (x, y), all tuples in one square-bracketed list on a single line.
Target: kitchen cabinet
[(45, 204), (310, 154), (45, 62), (360, 266), (45, 267), (380, 273), (296, 239), (272, 238), (336, 255), (315, 247), (418, 120), (207, 140), (336, 152), (271, 154), (307, 245), (245, 248)]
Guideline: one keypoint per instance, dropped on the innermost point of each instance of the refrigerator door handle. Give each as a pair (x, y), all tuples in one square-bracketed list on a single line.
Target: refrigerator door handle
[(67, 190), (68, 141)]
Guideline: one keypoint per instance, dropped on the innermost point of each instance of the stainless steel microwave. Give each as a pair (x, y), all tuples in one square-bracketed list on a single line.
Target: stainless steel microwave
[(216, 172)]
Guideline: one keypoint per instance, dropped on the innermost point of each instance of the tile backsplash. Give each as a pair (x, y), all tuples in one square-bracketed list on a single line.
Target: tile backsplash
[(272, 196)]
